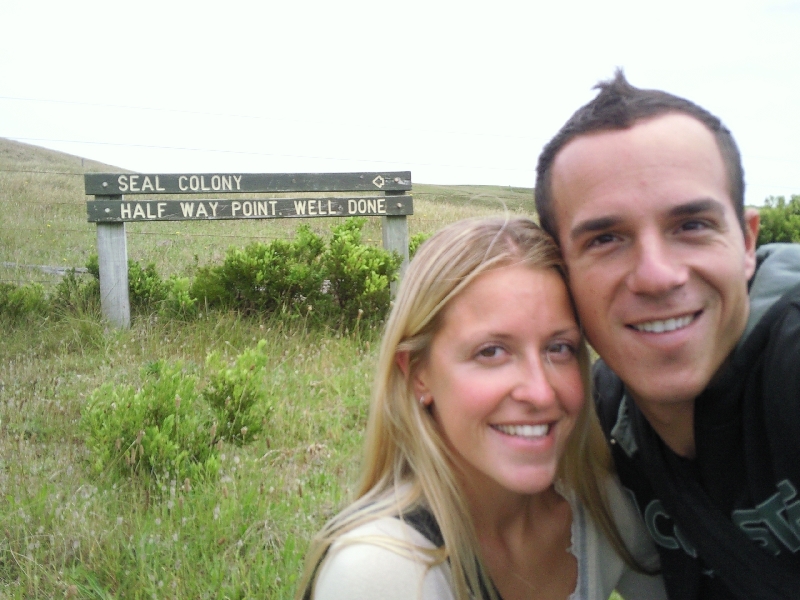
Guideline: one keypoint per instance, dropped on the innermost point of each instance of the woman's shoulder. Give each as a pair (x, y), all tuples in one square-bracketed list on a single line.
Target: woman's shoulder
[(383, 558), (600, 568), (630, 523)]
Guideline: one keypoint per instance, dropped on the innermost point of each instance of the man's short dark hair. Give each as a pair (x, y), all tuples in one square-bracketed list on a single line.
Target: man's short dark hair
[(619, 105)]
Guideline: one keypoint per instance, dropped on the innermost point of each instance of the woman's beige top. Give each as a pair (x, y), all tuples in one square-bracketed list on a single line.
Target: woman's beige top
[(363, 565)]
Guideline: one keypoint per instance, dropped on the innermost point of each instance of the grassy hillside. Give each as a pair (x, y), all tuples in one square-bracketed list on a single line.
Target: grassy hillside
[(43, 217), (70, 531)]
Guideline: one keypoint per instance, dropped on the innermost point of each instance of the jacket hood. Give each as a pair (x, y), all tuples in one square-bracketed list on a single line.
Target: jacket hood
[(777, 271)]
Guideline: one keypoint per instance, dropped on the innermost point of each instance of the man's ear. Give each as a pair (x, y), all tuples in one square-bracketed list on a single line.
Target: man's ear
[(752, 220)]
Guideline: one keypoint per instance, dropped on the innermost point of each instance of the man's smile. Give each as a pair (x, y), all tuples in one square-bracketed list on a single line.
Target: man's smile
[(665, 325)]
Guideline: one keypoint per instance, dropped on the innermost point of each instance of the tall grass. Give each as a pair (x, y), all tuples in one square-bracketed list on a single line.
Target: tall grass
[(67, 532)]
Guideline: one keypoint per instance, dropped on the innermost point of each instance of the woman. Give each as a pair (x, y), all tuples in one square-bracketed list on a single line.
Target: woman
[(485, 474)]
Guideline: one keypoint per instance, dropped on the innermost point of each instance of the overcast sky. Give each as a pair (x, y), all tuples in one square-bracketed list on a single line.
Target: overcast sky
[(456, 92)]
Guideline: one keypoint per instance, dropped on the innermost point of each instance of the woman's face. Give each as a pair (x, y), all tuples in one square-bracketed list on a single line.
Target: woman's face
[(504, 379)]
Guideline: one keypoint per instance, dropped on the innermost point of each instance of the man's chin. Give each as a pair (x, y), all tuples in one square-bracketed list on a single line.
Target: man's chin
[(664, 397)]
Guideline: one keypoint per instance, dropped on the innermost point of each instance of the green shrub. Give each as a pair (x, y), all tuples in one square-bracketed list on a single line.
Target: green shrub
[(164, 430), (179, 303), (415, 242), (267, 278), (780, 220), (338, 286), (237, 395), (18, 302), (359, 275), (93, 266), (146, 290), (77, 295)]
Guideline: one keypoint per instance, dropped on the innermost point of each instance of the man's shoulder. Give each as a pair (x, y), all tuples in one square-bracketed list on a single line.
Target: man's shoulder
[(778, 271)]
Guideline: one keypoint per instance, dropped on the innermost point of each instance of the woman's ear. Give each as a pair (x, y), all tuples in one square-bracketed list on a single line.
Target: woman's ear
[(403, 359), (417, 380)]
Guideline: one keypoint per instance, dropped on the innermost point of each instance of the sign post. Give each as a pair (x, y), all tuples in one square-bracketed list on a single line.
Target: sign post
[(113, 206)]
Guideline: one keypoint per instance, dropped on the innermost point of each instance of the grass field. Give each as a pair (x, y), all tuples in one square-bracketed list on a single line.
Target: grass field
[(68, 532)]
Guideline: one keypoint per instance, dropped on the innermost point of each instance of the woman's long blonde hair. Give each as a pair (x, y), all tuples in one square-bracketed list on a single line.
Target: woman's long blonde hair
[(406, 461)]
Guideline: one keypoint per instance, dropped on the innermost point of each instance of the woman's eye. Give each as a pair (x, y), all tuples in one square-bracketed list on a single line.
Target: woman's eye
[(560, 352), (490, 352)]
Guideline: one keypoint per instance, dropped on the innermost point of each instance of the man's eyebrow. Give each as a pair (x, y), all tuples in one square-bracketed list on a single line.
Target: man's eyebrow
[(687, 209), (698, 206), (592, 226)]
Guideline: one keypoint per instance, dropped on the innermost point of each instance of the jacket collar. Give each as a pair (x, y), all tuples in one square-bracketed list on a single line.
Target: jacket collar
[(622, 432)]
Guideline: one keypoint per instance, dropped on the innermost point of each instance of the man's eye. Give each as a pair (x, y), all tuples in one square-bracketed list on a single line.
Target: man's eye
[(694, 225), (603, 238)]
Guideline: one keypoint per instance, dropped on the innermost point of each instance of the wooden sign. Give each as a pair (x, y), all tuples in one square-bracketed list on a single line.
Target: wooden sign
[(120, 210), (115, 184), (113, 206)]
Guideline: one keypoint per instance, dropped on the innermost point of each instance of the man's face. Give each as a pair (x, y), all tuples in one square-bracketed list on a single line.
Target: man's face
[(657, 260)]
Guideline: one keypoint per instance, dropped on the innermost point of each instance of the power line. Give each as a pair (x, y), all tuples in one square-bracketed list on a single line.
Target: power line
[(281, 118), (40, 172), (251, 153)]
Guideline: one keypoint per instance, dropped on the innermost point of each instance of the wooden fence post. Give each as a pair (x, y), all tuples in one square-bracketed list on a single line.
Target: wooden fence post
[(112, 255), (395, 237)]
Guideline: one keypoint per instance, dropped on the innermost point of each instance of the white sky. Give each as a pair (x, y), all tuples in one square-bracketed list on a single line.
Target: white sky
[(456, 92)]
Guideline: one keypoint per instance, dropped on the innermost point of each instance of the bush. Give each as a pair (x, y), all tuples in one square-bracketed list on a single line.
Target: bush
[(780, 220), (338, 285), (18, 302), (162, 431), (146, 290), (179, 303), (415, 242), (77, 295), (265, 277), (359, 275), (347, 282), (237, 394), (93, 266)]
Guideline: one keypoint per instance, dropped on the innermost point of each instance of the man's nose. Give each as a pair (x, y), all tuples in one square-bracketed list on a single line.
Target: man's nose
[(657, 269)]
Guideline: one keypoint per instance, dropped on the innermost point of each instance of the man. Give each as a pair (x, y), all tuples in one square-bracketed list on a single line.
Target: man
[(698, 389)]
